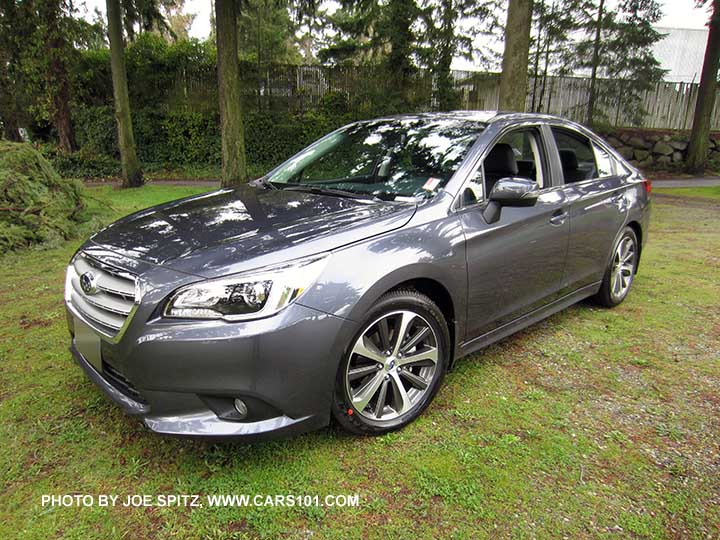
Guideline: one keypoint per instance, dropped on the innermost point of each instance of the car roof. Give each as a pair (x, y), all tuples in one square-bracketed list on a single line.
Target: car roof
[(483, 117)]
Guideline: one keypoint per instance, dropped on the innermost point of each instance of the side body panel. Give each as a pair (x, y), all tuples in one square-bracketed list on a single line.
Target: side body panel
[(515, 264), (598, 211), (431, 247)]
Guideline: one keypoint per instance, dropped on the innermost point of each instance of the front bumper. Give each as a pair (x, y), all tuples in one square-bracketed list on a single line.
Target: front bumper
[(181, 377)]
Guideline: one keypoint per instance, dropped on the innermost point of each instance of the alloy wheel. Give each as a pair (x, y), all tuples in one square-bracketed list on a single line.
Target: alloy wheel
[(623, 268), (392, 365)]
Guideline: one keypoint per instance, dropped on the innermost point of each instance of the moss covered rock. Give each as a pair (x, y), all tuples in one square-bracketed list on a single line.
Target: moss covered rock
[(37, 206)]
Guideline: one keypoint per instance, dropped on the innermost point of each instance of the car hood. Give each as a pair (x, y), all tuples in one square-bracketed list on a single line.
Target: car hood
[(232, 230)]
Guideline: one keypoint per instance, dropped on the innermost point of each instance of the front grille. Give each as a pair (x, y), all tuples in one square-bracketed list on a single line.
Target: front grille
[(119, 381), (111, 299)]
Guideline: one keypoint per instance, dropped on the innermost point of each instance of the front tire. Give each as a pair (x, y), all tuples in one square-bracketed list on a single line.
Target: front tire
[(393, 366), (620, 272)]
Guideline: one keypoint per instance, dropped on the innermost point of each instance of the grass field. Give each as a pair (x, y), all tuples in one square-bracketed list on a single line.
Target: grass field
[(592, 424), (703, 192)]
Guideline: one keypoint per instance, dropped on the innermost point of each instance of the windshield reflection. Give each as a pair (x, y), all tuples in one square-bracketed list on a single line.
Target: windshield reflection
[(400, 157)]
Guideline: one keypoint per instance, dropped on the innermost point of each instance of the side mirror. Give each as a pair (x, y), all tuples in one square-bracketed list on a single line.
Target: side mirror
[(510, 192), (515, 192)]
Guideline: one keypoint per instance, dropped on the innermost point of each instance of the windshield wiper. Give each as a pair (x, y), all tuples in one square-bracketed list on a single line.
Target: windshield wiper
[(331, 191), (362, 179), (264, 182)]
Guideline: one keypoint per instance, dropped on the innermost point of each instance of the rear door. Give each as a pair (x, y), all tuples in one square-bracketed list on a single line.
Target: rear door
[(515, 264), (596, 194)]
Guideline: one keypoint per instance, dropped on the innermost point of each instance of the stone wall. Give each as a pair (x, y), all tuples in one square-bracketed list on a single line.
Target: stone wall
[(657, 150)]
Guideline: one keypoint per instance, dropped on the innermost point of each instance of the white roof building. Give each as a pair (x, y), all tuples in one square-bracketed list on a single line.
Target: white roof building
[(681, 52)]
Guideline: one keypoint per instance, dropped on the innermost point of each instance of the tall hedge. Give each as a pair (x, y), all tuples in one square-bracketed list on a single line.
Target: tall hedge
[(180, 138)]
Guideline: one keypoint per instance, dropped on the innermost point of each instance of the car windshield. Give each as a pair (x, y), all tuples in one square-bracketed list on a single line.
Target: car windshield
[(398, 157)]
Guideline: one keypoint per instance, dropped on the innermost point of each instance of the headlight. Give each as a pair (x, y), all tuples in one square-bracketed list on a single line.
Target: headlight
[(246, 296)]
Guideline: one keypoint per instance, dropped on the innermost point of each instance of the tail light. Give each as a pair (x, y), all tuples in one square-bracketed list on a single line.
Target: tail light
[(647, 183)]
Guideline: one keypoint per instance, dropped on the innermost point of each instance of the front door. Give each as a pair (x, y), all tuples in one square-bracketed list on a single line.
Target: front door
[(515, 264)]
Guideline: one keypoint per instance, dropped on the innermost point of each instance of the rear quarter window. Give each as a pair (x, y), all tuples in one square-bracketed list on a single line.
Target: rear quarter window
[(605, 164), (621, 168)]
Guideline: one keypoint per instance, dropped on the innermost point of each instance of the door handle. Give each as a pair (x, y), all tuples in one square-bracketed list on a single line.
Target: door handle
[(558, 217)]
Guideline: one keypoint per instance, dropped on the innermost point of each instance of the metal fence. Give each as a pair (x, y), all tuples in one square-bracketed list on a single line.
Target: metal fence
[(300, 88)]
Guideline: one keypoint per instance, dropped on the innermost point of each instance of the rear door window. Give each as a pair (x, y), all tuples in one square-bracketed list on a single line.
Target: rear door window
[(577, 156)]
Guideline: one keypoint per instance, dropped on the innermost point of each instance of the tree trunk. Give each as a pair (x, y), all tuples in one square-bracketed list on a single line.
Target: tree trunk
[(11, 127), (595, 62), (545, 73), (401, 14), (132, 174), (8, 107), (234, 167), (538, 52), (58, 83), (63, 124), (699, 137), (513, 79), (445, 89), (61, 105)]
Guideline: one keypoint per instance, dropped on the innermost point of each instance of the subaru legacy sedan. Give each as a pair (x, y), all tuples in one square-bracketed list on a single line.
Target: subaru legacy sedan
[(346, 282)]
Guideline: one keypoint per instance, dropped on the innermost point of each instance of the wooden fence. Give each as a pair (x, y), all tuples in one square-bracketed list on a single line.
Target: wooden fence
[(299, 88), (668, 105)]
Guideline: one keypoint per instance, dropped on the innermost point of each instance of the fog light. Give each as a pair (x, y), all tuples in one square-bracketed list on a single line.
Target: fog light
[(241, 408)]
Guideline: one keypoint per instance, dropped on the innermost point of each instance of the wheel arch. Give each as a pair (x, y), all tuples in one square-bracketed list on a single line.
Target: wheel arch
[(637, 229), (441, 297)]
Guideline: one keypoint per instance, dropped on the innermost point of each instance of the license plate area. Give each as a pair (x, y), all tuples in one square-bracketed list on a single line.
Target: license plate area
[(87, 342)]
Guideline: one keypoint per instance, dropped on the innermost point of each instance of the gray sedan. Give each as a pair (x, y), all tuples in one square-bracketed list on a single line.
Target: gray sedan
[(346, 282)]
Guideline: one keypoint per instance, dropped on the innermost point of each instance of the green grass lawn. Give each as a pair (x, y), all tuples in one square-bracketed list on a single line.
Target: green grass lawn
[(704, 192), (592, 424)]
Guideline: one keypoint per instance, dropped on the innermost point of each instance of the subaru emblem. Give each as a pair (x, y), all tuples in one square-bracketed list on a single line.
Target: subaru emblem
[(88, 283)]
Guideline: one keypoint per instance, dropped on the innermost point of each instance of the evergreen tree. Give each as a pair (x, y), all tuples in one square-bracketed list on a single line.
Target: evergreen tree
[(15, 21), (178, 20), (226, 15), (618, 46), (41, 50), (266, 33), (144, 16), (401, 40), (39, 47), (554, 23), (444, 37), (357, 39), (132, 16), (54, 55), (382, 34)]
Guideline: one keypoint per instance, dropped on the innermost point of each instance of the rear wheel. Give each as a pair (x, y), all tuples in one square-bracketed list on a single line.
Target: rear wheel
[(394, 365), (620, 272)]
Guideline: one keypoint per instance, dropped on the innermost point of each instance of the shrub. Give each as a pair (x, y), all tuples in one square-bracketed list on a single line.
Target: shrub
[(82, 164), (96, 130), (37, 206), (189, 138)]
